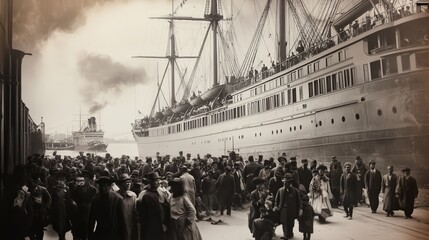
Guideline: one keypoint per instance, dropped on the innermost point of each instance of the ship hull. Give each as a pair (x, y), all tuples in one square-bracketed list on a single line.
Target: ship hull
[(94, 148), (386, 120)]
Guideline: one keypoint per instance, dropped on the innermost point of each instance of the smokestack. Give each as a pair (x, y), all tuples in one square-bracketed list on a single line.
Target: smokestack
[(94, 124), (89, 124)]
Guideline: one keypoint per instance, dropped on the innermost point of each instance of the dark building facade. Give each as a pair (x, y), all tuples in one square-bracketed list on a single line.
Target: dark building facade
[(19, 135)]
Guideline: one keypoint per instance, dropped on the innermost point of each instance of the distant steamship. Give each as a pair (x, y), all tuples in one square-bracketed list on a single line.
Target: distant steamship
[(89, 138)]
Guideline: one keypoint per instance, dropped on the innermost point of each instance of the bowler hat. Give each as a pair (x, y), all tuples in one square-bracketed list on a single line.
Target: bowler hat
[(358, 158), (304, 160), (152, 176), (371, 162), (288, 177), (104, 180), (258, 180), (406, 170)]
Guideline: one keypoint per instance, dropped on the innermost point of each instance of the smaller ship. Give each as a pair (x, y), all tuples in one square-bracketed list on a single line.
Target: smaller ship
[(89, 138)]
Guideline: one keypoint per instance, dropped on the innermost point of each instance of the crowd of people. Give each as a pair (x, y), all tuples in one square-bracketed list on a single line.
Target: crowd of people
[(98, 197)]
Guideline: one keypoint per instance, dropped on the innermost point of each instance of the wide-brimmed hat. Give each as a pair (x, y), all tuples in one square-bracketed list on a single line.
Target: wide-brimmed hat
[(124, 177), (258, 180), (104, 180), (288, 177), (152, 176)]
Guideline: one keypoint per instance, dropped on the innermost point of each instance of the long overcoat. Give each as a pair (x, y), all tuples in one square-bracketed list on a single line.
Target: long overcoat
[(390, 202), (348, 186)]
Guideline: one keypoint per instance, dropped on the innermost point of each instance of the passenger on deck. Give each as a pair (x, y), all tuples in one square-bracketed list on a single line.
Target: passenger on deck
[(355, 28), (300, 49), (251, 73), (407, 12)]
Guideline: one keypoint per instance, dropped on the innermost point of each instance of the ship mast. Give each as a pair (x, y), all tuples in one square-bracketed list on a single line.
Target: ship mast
[(282, 31), (213, 15)]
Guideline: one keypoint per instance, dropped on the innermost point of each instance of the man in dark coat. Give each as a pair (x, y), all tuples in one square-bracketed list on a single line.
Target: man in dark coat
[(373, 185), (239, 185), (225, 186), (257, 200), (333, 162), (304, 174), (150, 211), (406, 192), (359, 169), (107, 210), (250, 171), (82, 196), (348, 186), (388, 187), (288, 202), (334, 180)]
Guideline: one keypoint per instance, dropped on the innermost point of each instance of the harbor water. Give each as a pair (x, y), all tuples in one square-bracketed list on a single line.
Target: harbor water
[(115, 150)]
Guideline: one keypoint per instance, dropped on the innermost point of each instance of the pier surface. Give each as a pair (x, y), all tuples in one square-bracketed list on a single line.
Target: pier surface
[(364, 226)]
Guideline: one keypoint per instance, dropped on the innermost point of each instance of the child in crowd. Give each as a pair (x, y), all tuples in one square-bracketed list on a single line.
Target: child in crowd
[(306, 220)]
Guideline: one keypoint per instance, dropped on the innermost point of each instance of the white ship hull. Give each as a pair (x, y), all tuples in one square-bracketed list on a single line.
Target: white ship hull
[(382, 115)]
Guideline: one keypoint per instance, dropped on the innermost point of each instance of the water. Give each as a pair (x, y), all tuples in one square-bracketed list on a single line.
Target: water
[(115, 150)]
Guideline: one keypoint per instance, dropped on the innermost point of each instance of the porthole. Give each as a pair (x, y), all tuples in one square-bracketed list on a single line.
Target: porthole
[(394, 110), (277, 131), (320, 123), (300, 127), (260, 134), (379, 112), (294, 128), (256, 134), (281, 130), (343, 119), (272, 132), (290, 129), (357, 116), (332, 121), (242, 136)]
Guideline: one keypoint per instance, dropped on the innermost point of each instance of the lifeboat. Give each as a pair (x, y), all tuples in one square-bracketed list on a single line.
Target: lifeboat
[(212, 93), (198, 101), (181, 108), (167, 112)]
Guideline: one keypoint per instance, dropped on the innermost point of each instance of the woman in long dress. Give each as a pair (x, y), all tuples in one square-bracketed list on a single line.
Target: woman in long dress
[(320, 193), (182, 214)]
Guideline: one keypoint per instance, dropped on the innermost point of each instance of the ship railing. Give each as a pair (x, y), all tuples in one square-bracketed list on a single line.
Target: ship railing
[(343, 35)]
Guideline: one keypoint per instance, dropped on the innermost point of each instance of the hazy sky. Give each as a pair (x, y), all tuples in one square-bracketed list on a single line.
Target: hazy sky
[(82, 56)]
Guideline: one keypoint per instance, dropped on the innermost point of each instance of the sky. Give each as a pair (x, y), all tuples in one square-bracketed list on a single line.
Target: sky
[(82, 65)]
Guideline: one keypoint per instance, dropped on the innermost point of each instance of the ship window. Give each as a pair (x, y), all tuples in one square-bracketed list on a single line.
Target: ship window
[(316, 88), (294, 128), (300, 73), (281, 130), (310, 89), (332, 121), (320, 123), (379, 112), (357, 116), (310, 68), (343, 119), (375, 69), (340, 56), (390, 65), (394, 110), (352, 76), (340, 80), (328, 61), (328, 84), (300, 127), (346, 78), (290, 129), (322, 86), (301, 93), (294, 95), (293, 76), (283, 98), (272, 132), (277, 131), (406, 65), (422, 59), (316, 66), (365, 73)]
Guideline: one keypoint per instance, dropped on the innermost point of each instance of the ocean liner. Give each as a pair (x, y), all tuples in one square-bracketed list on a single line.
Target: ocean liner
[(89, 138), (353, 84)]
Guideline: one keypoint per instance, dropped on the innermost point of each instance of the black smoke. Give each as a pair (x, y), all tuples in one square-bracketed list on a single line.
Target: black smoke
[(105, 79)]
